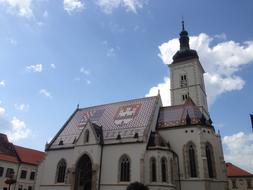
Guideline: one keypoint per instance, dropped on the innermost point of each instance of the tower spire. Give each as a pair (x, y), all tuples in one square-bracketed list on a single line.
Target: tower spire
[(182, 23), (184, 39)]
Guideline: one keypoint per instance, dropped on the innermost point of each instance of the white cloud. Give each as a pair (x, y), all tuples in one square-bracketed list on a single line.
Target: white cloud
[(2, 83), (45, 93), (22, 107), (88, 82), (22, 6), (238, 149), (52, 66), (2, 111), (110, 52), (45, 14), (34, 68), (163, 89), (18, 130), (14, 128), (220, 61), (73, 5), (131, 5), (85, 71)]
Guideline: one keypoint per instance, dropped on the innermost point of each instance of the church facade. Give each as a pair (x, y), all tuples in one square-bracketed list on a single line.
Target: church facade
[(106, 147)]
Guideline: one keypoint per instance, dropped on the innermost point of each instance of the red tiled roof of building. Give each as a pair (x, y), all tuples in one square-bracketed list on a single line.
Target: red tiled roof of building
[(29, 156), (234, 171), (9, 158)]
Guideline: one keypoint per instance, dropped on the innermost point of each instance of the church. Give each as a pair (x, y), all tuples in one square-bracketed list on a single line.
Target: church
[(106, 147)]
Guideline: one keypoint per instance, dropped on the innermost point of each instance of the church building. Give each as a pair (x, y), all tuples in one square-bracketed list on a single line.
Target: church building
[(106, 147)]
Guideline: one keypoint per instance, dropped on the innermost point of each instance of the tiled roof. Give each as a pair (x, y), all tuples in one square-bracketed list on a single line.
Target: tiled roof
[(124, 118), (9, 158), (185, 114), (17, 154), (234, 171), (29, 156)]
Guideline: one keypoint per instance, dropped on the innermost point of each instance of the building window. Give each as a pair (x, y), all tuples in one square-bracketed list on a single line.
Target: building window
[(1, 171), (30, 187), (32, 176), (23, 174), (183, 80), (153, 169), (184, 97), (249, 184), (61, 170), (86, 136), (193, 171), (210, 161), (124, 168), (234, 184), (9, 172), (5, 188), (164, 169), (20, 187)]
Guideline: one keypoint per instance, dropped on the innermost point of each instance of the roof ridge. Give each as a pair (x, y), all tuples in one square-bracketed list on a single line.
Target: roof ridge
[(29, 149), (120, 102)]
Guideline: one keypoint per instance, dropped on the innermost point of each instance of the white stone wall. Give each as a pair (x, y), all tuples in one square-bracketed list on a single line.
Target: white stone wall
[(196, 87), (178, 137), (110, 167)]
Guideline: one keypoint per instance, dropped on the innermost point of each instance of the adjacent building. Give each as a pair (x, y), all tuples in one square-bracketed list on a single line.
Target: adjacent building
[(18, 163), (106, 147), (238, 178)]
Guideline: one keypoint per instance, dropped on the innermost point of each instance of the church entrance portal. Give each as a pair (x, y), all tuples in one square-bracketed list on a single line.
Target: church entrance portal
[(83, 178)]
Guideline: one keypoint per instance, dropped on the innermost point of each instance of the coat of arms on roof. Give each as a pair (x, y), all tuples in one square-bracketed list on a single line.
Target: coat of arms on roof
[(126, 113), (91, 115)]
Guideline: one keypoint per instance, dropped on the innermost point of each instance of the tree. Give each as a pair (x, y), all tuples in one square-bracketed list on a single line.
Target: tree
[(137, 186)]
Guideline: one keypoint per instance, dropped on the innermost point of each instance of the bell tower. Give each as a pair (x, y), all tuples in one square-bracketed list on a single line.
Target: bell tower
[(186, 74)]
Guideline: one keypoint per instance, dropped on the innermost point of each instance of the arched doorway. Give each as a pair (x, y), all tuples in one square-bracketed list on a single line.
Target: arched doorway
[(83, 177)]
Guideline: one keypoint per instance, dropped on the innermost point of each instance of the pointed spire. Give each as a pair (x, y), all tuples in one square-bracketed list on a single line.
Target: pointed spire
[(184, 39), (182, 24)]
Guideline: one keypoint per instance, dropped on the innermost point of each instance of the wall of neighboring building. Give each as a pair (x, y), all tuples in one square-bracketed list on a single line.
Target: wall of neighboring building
[(25, 183), (6, 165), (240, 183)]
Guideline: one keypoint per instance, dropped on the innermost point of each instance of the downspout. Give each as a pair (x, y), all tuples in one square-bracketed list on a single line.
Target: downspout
[(17, 175), (100, 167), (178, 168)]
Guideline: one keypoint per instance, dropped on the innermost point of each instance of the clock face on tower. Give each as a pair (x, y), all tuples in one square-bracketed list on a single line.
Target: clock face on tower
[(127, 113)]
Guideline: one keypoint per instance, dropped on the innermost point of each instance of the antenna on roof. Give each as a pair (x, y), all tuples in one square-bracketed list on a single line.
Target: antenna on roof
[(77, 106)]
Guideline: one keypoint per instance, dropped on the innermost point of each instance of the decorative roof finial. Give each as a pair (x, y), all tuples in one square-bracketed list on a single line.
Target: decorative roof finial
[(182, 23)]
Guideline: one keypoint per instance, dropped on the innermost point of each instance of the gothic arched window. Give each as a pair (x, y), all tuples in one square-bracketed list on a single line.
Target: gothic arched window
[(61, 170), (164, 169), (210, 160), (86, 136), (124, 164), (153, 169), (192, 161)]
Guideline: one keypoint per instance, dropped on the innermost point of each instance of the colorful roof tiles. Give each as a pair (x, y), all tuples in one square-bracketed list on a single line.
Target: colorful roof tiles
[(125, 118), (178, 115)]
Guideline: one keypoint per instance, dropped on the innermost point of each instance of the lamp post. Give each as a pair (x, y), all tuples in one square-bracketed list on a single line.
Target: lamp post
[(10, 180)]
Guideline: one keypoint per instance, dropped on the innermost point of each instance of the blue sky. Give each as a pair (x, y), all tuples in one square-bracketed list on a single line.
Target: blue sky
[(57, 54)]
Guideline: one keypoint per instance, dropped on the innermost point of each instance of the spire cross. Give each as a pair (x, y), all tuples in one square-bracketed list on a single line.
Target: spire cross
[(182, 23)]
